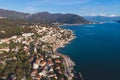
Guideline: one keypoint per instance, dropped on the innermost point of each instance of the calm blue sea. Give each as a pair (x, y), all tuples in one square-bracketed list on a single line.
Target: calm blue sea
[(95, 50)]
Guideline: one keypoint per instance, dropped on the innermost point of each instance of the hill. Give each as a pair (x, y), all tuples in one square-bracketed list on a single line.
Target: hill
[(12, 14), (9, 27), (56, 18), (43, 17)]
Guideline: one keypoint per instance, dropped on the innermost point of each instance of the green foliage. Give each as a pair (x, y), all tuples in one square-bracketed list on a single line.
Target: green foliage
[(20, 67), (3, 45), (13, 27), (62, 77), (62, 67)]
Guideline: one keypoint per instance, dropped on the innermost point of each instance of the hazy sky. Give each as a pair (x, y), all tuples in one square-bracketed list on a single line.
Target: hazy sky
[(81, 7)]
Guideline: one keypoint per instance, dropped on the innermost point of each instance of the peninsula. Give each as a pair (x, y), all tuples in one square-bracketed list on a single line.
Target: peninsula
[(29, 53)]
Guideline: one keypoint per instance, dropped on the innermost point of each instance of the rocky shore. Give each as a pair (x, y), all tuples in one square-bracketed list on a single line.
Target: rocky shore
[(68, 63), (69, 67), (63, 44)]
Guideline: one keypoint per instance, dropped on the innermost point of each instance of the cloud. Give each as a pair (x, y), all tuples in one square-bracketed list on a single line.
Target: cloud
[(104, 14), (113, 15), (30, 9)]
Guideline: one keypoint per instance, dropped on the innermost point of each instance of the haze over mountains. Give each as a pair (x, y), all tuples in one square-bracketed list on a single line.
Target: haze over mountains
[(102, 18), (44, 17)]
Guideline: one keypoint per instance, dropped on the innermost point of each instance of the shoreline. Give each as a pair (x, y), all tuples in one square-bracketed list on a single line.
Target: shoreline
[(63, 45), (69, 66), (68, 62), (78, 24)]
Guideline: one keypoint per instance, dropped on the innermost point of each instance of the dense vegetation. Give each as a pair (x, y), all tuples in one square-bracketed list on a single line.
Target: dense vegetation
[(10, 28)]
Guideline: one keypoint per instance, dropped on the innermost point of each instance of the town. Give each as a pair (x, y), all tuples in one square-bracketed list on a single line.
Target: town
[(33, 55)]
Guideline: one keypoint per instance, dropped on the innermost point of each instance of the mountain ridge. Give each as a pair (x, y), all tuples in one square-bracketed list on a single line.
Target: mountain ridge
[(12, 14), (44, 17)]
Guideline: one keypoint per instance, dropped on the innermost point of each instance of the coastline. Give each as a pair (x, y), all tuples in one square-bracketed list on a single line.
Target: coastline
[(67, 61), (69, 66), (42, 62), (58, 25), (63, 45)]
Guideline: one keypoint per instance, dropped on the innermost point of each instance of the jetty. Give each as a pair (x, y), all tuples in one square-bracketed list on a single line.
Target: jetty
[(80, 76)]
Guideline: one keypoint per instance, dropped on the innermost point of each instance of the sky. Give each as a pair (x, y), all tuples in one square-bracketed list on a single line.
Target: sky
[(80, 7)]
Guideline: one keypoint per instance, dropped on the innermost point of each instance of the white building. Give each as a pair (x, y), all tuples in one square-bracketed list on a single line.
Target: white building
[(35, 66)]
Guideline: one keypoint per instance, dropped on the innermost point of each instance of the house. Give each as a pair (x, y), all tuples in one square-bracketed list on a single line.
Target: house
[(38, 77), (25, 48), (57, 61), (35, 66), (27, 34), (5, 40), (31, 58), (55, 56), (41, 57), (51, 69), (35, 50), (19, 39), (5, 49), (14, 37), (51, 75), (24, 42), (37, 61), (59, 71), (43, 63), (50, 63), (55, 77), (13, 77), (57, 67), (34, 72), (2, 61), (43, 73), (1, 42)]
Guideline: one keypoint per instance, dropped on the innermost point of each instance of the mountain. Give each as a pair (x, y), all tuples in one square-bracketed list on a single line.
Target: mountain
[(56, 18), (44, 17), (12, 14), (102, 18)]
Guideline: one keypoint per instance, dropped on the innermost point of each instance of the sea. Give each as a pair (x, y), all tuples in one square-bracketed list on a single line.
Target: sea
[(95, 50)]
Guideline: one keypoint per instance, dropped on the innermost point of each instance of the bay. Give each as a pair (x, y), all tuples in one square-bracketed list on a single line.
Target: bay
[(95, 50)]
